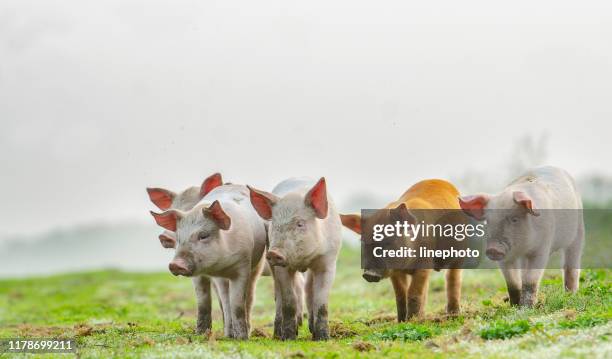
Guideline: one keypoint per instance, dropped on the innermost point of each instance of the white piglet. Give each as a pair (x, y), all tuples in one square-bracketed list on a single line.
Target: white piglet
[(304, 235), (537, 214), (220, 239)]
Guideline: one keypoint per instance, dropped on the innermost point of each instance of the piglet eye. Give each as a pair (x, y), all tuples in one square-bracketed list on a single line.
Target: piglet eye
[(514, 219), (202, 236), (300, 223)]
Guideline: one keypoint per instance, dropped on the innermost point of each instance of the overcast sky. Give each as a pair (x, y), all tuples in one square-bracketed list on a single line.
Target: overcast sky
[(100, 99)]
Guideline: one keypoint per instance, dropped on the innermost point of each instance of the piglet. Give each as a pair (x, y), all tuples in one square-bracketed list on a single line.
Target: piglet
[(426, 201), (537, 214), (220, 239), (304, 235)]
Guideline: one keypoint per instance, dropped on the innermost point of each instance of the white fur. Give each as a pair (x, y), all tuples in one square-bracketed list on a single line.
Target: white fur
[(232, 258), (531, 240), (313, 248)]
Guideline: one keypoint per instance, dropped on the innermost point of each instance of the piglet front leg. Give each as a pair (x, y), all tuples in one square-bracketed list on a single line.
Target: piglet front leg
[(238, 300), (201, 285), (322, 283), (417, 293), (278, 317), (284, 281), (512, 274), (531, 277)]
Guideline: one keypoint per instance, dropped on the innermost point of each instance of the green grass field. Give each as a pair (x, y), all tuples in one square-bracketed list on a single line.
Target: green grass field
[(125, 315)]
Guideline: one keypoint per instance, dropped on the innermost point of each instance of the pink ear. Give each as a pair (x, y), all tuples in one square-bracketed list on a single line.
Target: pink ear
[(524, 200), (474, 205), (317, 198), (167, 219), (167, 239), (216, 213), (262, 202), (212, 182), (352, 222), (162, 198)]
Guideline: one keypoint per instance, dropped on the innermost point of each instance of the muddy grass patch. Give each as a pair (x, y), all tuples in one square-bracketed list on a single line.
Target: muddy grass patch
[(28, 330), (83, 330), (407, 332), (384, 318), (340, 330), (259, 333), (361, 346)]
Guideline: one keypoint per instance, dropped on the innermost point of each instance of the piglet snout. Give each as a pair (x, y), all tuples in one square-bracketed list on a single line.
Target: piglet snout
[(371, 277), (275, 258), (179, 267)]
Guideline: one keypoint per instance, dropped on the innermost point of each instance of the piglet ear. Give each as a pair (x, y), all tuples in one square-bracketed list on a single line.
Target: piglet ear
[(317, 198), (168, 219), (218, 215), (401, 213), (352, 222), (522, 199), (168, 239), (262, 202), (162, 198), (210, 183), (474, 205)]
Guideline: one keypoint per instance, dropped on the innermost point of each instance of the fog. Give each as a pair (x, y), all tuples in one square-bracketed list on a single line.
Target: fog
[(100, 99)]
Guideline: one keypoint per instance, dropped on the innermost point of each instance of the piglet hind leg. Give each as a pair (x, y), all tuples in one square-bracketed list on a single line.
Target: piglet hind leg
[(250, 300), (309, 297), (453, 290), (571, 262), (222, 288), (298, 287), (203, 296), (322, 283)]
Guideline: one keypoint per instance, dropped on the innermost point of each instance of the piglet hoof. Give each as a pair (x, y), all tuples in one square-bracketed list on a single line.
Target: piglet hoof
[(289, 336), (528, 303), (240, 335), (452, 309), (290, 332), (278, 326), (320, 335), (529, 297), (413, 315), (514, 296), (204, 331)]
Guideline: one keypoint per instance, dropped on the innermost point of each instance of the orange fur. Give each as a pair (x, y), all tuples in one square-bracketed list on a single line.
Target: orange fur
[(411, 292), (429, 194)]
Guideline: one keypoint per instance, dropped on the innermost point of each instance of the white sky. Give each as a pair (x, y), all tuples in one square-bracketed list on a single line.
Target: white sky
[(99, 99)]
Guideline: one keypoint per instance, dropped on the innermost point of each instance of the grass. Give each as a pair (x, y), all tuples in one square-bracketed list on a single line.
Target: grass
[(133, 315), (505, 330)]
